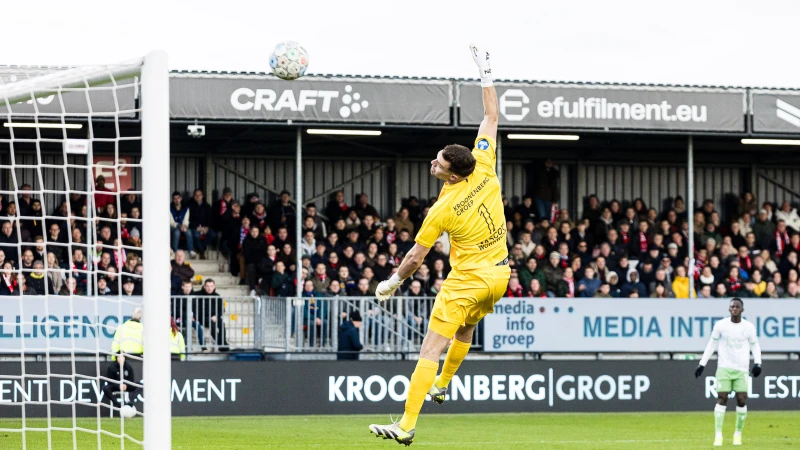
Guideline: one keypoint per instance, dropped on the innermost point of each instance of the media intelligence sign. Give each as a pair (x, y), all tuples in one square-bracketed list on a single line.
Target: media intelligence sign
[(630, 325)]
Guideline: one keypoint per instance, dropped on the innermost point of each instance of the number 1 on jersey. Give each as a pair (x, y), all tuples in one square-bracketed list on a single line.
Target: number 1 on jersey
[(484, 212)]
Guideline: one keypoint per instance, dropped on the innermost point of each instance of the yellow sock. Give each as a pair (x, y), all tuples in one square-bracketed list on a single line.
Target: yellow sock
[(455, 355), (421, 382)]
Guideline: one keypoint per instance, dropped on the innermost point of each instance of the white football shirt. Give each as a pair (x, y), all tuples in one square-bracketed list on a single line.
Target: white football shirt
[(733, 342)]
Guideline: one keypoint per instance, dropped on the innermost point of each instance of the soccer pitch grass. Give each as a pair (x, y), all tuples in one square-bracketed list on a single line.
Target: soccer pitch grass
[(768, 430)]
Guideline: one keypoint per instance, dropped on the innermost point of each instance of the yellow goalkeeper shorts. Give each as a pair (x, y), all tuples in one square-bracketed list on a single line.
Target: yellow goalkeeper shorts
[(466, 297)]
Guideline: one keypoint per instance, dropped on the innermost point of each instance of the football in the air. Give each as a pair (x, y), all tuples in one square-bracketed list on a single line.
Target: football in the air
[(127, 411), (289, 60)]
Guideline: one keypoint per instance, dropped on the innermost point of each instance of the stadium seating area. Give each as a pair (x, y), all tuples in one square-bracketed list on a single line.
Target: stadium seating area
[(62, 247), (615, 249)]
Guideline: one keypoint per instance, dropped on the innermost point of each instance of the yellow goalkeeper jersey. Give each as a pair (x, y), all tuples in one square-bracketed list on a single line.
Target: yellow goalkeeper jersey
[(472, 214)]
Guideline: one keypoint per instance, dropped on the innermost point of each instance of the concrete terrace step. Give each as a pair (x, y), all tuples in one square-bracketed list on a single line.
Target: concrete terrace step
[(238, 291)]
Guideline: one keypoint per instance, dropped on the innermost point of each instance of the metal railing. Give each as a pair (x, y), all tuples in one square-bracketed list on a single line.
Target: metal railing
[(214, 323), (397, 325), (301, 324)]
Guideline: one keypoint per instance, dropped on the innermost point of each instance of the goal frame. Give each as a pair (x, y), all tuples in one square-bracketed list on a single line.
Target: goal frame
[(155, 161)]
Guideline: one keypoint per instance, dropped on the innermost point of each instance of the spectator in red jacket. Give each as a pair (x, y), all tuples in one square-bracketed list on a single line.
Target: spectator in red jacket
[(103, 195), (514, 288)]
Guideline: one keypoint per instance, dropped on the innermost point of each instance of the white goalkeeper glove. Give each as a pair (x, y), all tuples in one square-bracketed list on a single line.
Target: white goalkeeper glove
[(481, 58), (386, 288)]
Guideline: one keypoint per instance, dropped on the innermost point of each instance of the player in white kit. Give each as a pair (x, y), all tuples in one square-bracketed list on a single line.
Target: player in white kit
[(735, 337)]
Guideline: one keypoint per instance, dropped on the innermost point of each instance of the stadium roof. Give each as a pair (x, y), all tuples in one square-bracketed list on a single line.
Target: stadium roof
[(527, 81), (6, 70)]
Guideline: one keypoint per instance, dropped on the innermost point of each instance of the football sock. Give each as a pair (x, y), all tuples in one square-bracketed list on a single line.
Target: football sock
[(719, 417), (455, 355), (741, 415), (421, 382)]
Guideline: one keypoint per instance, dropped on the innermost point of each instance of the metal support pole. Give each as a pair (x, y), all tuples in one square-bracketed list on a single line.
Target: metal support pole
[(208, 189), (288, 332), (499, 169), (690, 212), (188, 323), (298, 220), (397, 187)]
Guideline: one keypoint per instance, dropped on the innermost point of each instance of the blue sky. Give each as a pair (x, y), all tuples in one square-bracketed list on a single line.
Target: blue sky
[(734, 42)]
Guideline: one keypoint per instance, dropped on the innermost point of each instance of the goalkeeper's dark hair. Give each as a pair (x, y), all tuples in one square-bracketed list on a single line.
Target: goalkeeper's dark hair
[(462, 163)]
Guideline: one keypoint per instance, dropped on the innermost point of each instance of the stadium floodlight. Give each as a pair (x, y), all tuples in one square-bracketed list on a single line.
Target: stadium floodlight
[(771, 141), (136, 151), (545, 137), (67, 126), (344, 132)]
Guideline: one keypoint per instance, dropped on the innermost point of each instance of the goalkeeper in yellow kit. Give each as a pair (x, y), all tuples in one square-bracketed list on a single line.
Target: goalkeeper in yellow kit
[(470, 209)]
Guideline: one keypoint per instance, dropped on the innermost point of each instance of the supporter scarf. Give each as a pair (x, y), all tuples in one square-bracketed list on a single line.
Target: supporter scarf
[(553, 213), (625, 237), (242, 235), (120, 257), (539, 295), (78, 266), (735, 284), (782, 241), (343, 206), (571, 284), (746, 263), (223, 206), (564, 262), (270, 238), (698, 268), (643, 242), (261, 218), (391, 236), (7, 280), (322, 277)]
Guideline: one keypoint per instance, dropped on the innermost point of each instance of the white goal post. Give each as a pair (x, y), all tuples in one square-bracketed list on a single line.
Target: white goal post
[(21, 112)]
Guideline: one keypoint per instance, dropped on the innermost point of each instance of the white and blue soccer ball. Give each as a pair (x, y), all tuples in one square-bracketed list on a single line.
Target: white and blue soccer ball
[(289, 60)]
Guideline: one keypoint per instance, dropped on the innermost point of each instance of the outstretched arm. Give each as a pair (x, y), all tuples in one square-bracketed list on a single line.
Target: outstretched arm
[(489, 124)]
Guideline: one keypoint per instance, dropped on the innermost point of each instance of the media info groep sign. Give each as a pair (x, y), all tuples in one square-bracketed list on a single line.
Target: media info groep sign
[(631, 325)]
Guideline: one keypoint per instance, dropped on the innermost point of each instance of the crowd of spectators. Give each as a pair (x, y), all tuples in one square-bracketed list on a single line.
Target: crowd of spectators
[(615, 249), (48, 253), (618, 249), (351, 247)]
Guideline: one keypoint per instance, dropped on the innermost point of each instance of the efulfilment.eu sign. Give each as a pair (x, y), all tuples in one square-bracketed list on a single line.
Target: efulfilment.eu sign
[(600, 106), (631, 325), (310, 99)]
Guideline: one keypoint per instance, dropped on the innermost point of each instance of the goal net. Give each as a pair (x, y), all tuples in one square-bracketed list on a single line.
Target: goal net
[(84, 277)]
